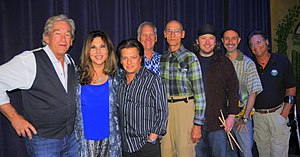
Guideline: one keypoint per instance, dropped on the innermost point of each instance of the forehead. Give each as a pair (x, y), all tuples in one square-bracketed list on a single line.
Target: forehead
[(147, 28), (61, 25), (97, 40), (129, 51), (173, 25), (230, 33), (256, 37)]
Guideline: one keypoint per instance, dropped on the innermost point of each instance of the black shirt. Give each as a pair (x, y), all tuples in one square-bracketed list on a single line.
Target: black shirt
[(276, 77)]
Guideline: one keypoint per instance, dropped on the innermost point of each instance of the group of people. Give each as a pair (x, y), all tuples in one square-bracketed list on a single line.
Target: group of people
[(134, 102)]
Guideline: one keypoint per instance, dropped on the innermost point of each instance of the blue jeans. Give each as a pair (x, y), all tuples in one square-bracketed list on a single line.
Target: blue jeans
[(244, 139), (211, 144), (46, 147)]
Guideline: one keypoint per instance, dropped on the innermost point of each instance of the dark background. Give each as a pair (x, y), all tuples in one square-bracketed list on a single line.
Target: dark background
[(22, 22)]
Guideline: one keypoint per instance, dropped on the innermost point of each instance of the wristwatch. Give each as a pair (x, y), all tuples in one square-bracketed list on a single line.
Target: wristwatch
[(245, 120), (151, 141)]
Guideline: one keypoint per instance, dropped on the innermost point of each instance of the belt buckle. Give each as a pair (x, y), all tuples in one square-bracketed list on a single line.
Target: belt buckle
[(171, 100)]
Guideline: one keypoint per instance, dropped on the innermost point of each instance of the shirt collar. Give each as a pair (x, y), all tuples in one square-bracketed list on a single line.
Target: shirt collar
[(177, 52), (52, 56), (239, 57)]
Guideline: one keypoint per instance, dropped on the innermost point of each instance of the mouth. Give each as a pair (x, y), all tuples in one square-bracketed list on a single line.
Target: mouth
[(98, 57)]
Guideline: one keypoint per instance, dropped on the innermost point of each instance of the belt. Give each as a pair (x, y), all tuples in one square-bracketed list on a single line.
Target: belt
[(183, 99), (265, 111)]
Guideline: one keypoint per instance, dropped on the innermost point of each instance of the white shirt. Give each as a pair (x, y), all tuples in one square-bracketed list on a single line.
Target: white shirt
[(20, 72)]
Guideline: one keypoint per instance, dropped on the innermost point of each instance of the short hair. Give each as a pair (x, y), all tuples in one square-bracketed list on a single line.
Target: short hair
[(130, 43), (230, 29), (86, 67), (52, 20), (146, 24), (257, 32)]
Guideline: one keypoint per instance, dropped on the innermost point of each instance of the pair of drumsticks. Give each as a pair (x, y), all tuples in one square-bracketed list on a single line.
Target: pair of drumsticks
[(229, 135)]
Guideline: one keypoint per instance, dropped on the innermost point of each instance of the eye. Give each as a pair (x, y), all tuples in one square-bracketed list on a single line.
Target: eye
[(102, 46)]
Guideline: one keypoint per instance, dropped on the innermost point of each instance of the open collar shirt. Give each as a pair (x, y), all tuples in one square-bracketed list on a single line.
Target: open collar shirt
[(143, 108), (153, 64), (249, 81), (182, 73)]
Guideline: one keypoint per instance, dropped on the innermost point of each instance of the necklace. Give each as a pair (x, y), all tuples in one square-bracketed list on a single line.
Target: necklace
[(264, 62), (97, 78)]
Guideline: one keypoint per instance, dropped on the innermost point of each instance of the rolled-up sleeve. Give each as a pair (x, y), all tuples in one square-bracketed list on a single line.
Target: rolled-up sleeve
[(18, 73)]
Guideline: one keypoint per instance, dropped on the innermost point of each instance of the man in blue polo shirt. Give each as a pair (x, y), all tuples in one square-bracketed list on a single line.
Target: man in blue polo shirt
[(273, 104)]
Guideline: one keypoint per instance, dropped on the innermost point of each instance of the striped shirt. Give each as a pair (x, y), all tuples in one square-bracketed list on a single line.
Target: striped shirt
[(142, 107), (182, 73), (249, 81), (153, 64)]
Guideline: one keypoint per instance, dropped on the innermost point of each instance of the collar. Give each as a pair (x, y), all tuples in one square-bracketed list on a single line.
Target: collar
[(239, 57), (177, 52), (52, 56), (139, 74)]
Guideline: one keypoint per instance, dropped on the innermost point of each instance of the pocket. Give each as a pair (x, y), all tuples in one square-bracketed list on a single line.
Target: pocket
[(281, 120)]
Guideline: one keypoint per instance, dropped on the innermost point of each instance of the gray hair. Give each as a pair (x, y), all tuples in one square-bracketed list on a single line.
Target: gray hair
[(52, 20), (144, 24)]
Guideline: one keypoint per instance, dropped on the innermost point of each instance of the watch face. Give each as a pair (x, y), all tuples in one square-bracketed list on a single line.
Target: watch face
[(245, 120)]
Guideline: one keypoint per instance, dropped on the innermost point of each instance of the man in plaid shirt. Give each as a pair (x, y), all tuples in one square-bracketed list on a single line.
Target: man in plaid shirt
[(186, 99)]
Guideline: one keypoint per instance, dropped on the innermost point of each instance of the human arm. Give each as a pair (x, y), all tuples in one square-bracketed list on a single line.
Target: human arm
[(22, 126), (287, 106), (161, 109), (18, 73), (196, 79)]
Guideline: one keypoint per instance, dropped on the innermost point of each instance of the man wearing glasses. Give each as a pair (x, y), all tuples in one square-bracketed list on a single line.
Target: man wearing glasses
[(186, 100), (273, 104)]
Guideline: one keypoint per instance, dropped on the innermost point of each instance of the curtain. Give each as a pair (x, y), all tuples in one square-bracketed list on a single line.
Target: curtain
[(22, 22)]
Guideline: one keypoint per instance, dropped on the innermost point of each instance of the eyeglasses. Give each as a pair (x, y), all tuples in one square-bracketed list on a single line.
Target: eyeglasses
[(257, 42), (175, 31)]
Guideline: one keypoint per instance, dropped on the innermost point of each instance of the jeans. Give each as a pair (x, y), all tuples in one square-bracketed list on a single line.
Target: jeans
[(148, 150), (48, 147), (211, 144), (244, 139)]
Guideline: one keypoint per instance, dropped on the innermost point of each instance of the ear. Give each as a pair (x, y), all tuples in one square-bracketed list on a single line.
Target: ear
[(197, 41), (222, 40), (46, 39), (239, 40), (182, 34), (267, 42), (165, 34)]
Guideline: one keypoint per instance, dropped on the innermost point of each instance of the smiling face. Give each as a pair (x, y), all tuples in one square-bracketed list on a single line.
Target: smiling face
[(131, 60), (231, 41), (59, 38), (207, 43), (98, 52), (147, 37), (259, 45)]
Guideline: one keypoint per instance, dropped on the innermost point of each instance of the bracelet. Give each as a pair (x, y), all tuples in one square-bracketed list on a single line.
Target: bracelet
[(290, 99)]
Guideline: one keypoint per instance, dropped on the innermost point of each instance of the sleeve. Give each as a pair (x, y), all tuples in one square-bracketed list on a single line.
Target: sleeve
[(289, 77), (159, 92), (253, 80), (18, 73), (196, 79)]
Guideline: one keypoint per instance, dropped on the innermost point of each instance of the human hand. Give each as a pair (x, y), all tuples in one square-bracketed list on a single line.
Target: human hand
[(229, 123), (23, 127), (241, 125), (196, 133)]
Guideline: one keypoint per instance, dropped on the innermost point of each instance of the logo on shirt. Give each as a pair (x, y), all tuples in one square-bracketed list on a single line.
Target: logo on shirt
[(274, 72)]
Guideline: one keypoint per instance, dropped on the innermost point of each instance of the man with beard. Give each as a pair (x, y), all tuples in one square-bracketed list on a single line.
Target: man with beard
[(249, 87), (221, 91)]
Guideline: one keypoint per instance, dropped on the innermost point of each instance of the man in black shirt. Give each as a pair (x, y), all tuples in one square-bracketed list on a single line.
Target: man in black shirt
[(142, 103), (273, 104)]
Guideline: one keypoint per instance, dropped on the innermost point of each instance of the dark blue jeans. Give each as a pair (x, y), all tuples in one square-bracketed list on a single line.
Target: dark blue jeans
[(46, 147), (211, 144)]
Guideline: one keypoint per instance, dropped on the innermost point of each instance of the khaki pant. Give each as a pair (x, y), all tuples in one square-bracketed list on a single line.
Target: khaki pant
[(271, 134), (177, 142)]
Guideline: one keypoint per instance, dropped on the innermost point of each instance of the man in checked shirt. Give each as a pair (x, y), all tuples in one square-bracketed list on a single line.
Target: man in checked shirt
[(186, 99)]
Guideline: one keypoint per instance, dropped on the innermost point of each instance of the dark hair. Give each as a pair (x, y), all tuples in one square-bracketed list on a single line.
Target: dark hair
[(230, 29), (86, 67), (130, 43), (256, 32)]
